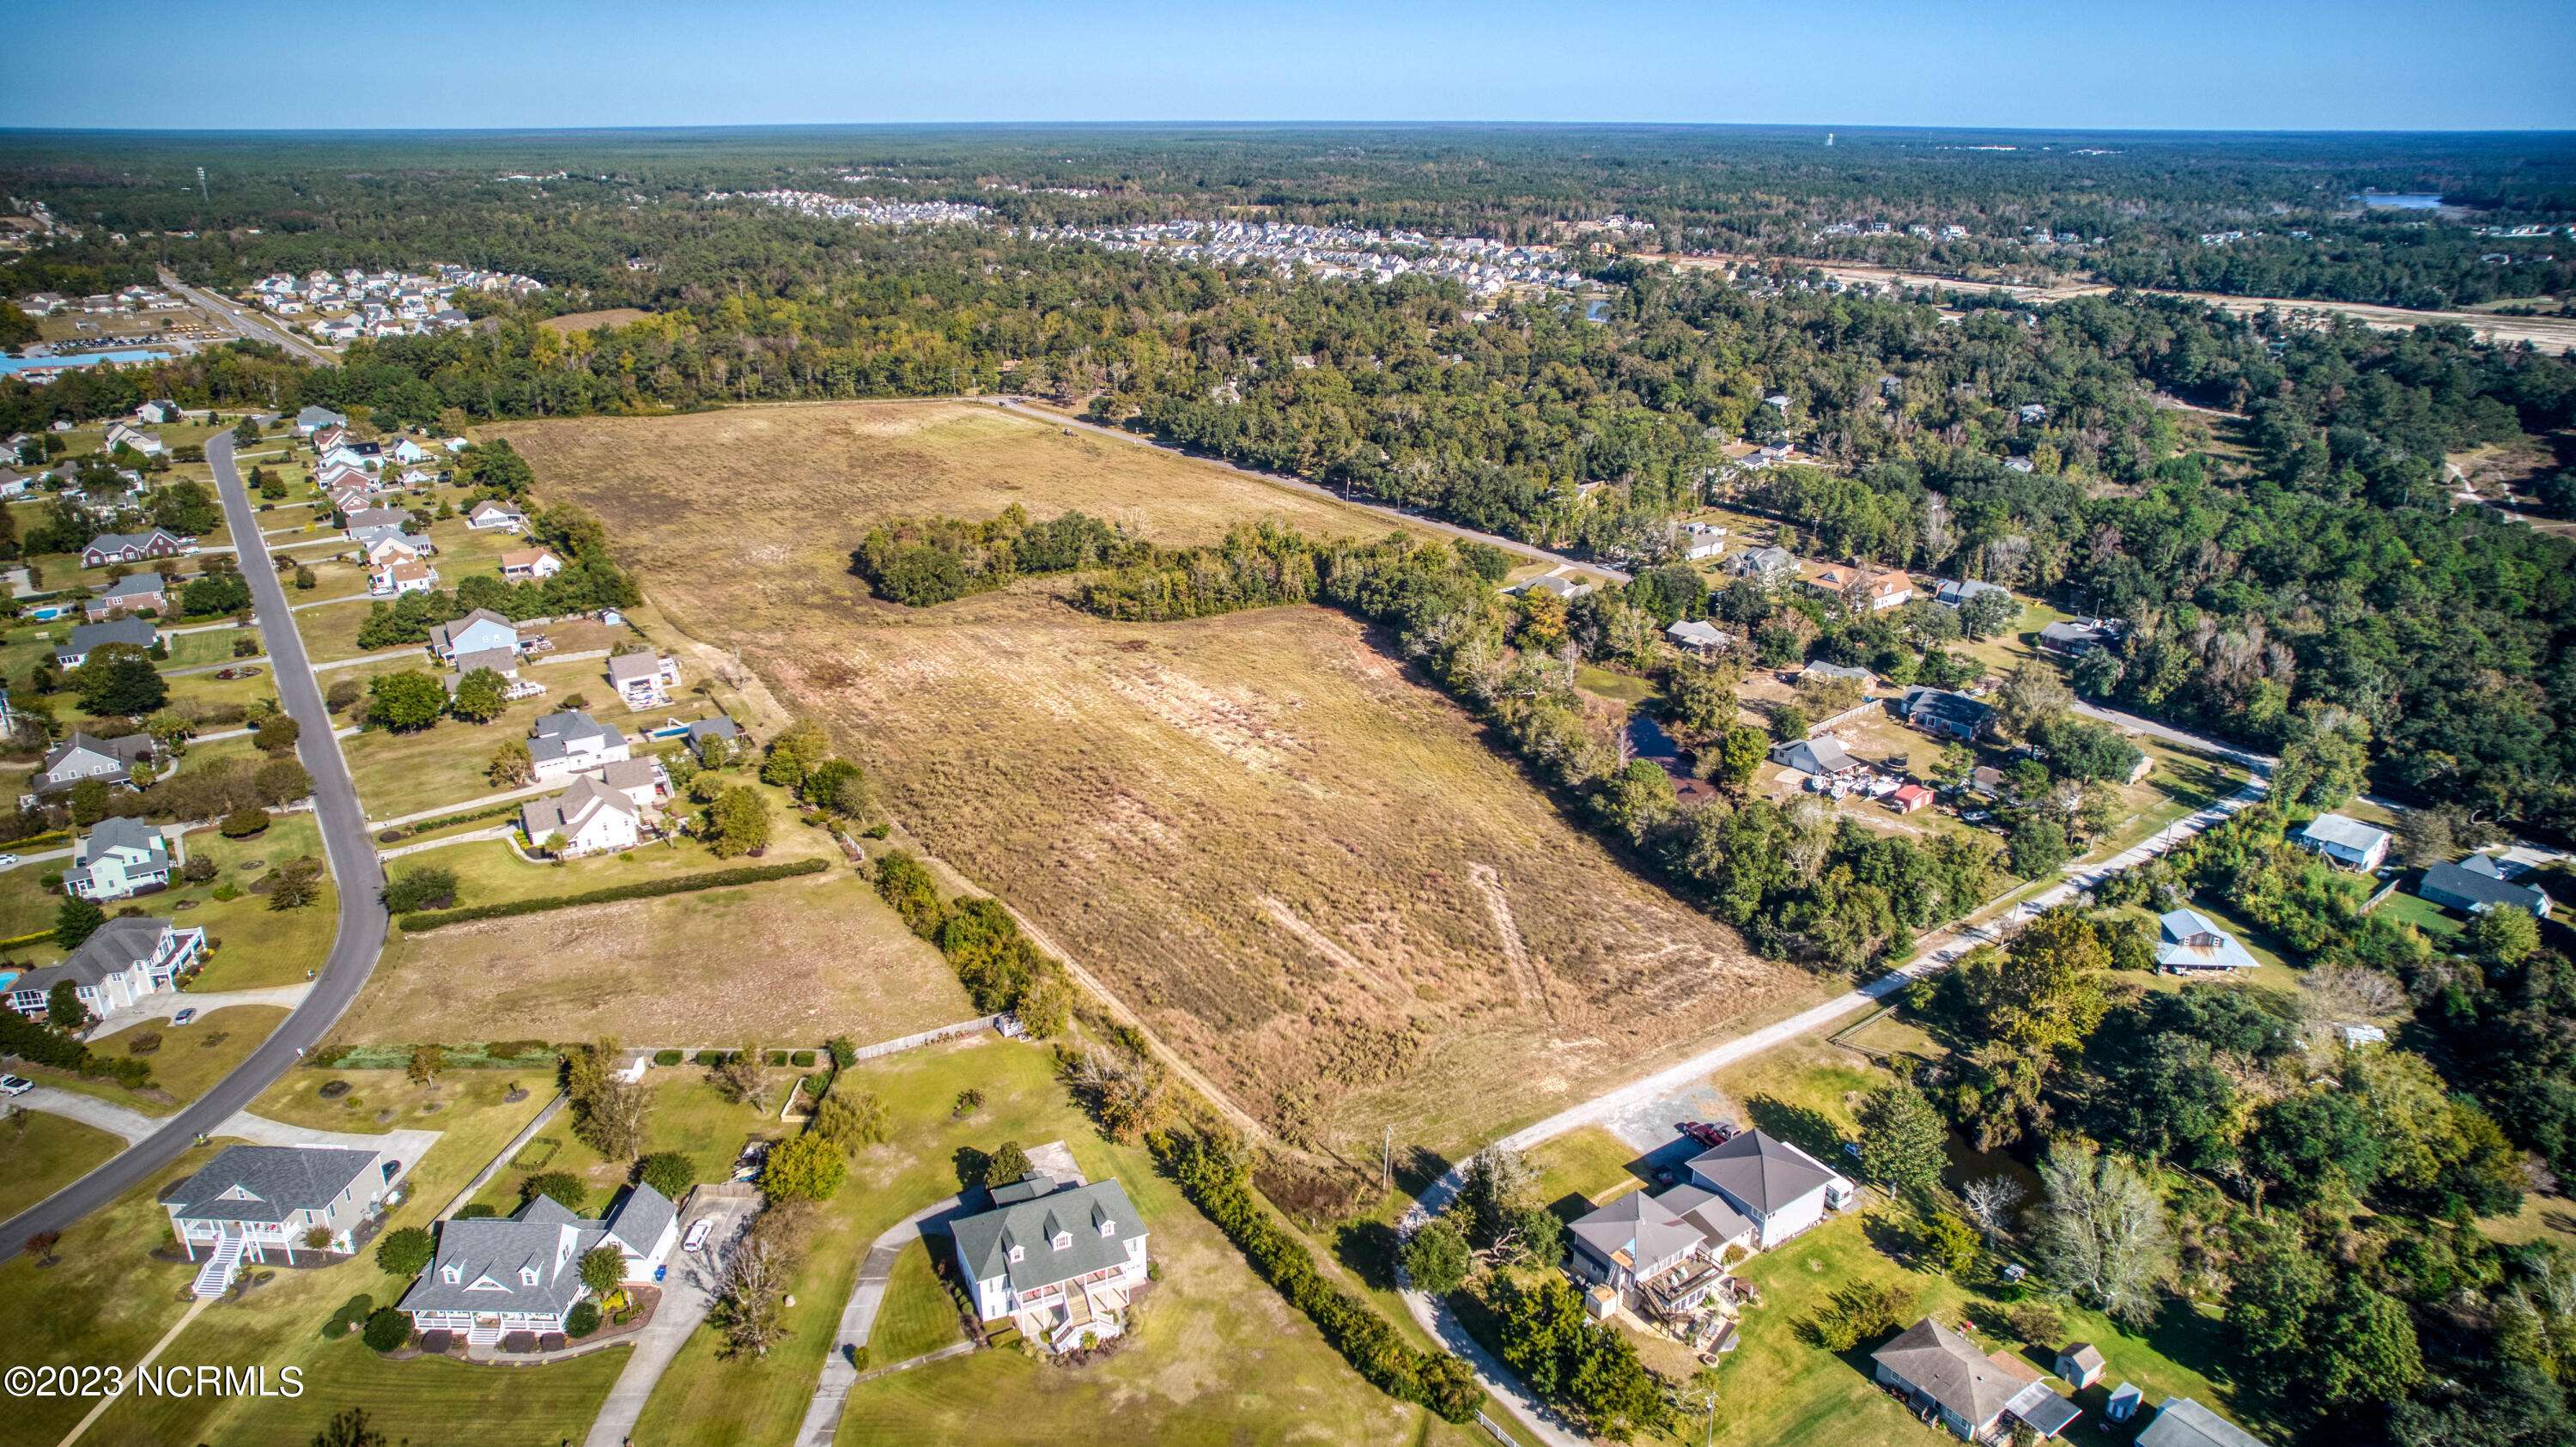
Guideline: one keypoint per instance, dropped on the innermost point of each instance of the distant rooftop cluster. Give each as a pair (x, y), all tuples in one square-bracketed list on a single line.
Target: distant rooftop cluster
[(865, 210), (342, 306), (1480, 264)]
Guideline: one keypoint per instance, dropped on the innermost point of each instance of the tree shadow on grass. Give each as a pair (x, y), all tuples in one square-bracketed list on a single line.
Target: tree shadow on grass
[(1366, 1249), (1416, 1168), (1808, 1129)]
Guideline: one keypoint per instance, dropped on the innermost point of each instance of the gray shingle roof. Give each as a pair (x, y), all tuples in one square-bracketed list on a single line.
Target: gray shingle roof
[(489, 1253), (88, 636), (267, 1183), (114, 947), (1652, 1227), (119, 830), (2182, 1422), (984, 1242), (1948, 1368), (1763, 1172), (626, 666), (557, 732), (640, 1219), (2478, 885), (1814, 756), (133, 585)]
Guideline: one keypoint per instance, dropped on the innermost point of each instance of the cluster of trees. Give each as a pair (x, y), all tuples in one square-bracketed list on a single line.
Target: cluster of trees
[(1212, 1171), (922, 561), (1001, 968)]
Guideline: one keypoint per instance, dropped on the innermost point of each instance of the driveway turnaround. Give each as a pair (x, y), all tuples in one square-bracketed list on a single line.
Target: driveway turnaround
[(361, 925), (128, 1124), (688, 1292), (162, 1004)]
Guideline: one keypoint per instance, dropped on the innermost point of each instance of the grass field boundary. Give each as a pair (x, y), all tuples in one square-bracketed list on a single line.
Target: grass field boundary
[(427, 920)]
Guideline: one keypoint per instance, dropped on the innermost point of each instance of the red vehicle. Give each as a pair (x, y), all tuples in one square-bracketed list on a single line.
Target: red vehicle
[(1708, 1133)]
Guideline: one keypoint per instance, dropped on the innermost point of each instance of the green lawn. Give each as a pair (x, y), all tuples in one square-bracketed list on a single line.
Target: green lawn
[(399, 774), (330, 633), (249, 944), (689, 1115), (45, 1154), (2438, 924), (918, 1315), (1216, 1357), (191, 1058), (1586, 1166), (488, 870), (1627, 688), (277, 1324), (190, 650)]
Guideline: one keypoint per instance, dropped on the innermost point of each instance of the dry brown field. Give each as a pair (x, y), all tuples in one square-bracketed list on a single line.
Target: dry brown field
[(788, 963), (1305, 870), (616, 316)]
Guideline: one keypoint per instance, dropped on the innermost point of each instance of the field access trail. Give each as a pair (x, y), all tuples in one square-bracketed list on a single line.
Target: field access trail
[(361, 925), (1933, 952)]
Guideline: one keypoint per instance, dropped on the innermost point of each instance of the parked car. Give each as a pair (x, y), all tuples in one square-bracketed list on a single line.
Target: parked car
[(8, 861), (1708, 1133), (698, 1234), (184, 1016), (15, 1085)]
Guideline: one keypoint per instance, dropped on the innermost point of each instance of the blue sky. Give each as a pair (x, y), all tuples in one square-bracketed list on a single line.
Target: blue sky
[(2184, 64)]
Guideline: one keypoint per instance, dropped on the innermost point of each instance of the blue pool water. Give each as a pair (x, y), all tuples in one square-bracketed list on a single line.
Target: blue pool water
[(10, 366)]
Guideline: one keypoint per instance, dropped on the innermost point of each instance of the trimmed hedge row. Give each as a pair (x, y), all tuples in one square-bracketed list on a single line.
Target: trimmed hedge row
[(1216, 1183), (26, 939), (427, 920), (468, 817)]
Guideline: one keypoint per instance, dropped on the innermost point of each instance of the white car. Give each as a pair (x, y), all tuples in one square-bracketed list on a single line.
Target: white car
[(15, 1085), (184, 1016), (696, 1238), (8, 861)]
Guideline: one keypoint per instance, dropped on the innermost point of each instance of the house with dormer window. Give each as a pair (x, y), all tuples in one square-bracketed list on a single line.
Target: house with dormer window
[(1057, 1258), (522, 1272)]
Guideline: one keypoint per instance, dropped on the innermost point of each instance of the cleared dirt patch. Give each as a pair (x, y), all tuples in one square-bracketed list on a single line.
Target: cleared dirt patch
[(1305, 870), (616, 316), (788, 962)]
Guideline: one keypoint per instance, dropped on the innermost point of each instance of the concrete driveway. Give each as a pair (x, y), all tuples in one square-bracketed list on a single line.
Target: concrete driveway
[(858, 1318), (116, 1120), (162, 1004), (688, 1292)]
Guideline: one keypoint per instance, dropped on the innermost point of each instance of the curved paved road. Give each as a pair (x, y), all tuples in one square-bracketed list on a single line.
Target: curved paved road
[(353, 866)]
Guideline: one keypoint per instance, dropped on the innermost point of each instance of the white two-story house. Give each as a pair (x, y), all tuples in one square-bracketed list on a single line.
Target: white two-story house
[(522, 1272), (264, 1202), (572, 742), (1057, 1259), (118, 858), (127, 959)]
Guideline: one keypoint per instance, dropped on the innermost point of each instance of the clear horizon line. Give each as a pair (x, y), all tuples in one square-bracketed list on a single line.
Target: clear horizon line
[(1860, 127)]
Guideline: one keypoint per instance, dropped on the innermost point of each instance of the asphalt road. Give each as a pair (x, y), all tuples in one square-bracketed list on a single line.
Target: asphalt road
[(353, 866), (248, 322)]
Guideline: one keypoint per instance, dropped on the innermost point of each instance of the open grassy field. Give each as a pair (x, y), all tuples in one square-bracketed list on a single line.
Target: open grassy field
[(45, 1154), (689, 1116), (616, 316), (1306, 870), (189, 1060), (792, 960)]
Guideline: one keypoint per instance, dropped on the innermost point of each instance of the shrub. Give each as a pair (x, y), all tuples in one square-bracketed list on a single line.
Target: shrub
[(969, 1101), (563, 1186), (406, 1252), (643, 889), (476, 1212), (243, 823), (808, 1168), (670, 1172), (778, 1058), (431, 887), (667, 1057), (144, 1044), (802, 1059), (844, 1054), (333, 1089), (709, 1058), (581, 1321), (2037, 1322), (388, 1329)]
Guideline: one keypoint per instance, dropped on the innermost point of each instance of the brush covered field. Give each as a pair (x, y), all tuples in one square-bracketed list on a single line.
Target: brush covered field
[(1303, 868)]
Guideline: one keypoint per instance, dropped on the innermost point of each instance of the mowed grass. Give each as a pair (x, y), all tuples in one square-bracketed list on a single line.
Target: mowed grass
[(791, 961), (109, 1301), (918, 1314), (689, 1116), (490, 871), (191, 1057), (1305, 869), (46, 1153), (250, 946), (1217, 1356), (449, 762)]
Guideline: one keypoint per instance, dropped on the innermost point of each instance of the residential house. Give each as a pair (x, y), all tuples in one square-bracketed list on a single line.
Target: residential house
[(644, 782), (2346, 841), (251, 1201), (503, 661), (528, 565), (2182, 1422), (2190, 943), (160, 409), (1763, 565), (2477, 884), (1830, 672), (1939, 1371), (408, 451), (87, 638), (133, 593), (1955, 592), (473, 633), (109, 548), (122, 961), (326, 438), (1950, 715), (397, 576), (366, 456), (2031, 412), (1698, 637), (522, 1272), (1824, 758), (707, 735), (1781, 1189), (1566, 588), (13, 483), (314, 419), (85, 757), (644, 679), (573, 742), (118, 858), (385, 545), (1661, 1254), (490, 514), (122, 434), (359, 520), (1702, 540), (588, 818), (1862, 587), (1058, 1259), (2074, 638)]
